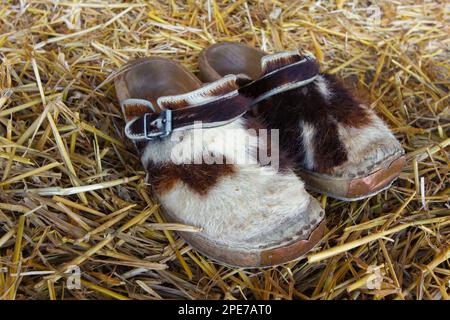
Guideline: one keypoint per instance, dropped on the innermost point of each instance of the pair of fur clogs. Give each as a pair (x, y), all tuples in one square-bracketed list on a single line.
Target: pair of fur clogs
[(232, 154)]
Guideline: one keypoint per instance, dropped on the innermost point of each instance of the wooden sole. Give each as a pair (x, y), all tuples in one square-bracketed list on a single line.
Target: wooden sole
[(354, 189), (240, 257)]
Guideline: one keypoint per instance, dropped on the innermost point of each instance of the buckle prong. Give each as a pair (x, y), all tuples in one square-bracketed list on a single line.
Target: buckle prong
[(163, 123)]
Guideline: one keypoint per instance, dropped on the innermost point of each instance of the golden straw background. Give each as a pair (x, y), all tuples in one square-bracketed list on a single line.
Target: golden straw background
[(72, 190)]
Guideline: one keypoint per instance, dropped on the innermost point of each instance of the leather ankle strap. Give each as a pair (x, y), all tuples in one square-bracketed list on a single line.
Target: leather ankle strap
[(224, 100)]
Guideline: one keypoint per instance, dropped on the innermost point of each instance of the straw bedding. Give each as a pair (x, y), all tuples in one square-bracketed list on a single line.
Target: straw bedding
[(72, 191)]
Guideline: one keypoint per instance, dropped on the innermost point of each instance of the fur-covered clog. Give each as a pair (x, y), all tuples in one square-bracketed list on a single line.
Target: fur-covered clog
[(340, 146), (189, 137)]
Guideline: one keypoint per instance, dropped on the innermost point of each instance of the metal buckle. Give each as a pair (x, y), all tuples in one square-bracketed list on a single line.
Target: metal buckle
[(163, 123)]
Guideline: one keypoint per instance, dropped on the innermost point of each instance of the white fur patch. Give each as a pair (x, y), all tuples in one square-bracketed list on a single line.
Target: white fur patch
[(367, 146), (252, 207), (307, 130), (322, 86), (244, 209), (228, 140)]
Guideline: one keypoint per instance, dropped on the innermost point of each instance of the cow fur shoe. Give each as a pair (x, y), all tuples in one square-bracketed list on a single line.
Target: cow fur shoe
[(340, 146), (249, 214)]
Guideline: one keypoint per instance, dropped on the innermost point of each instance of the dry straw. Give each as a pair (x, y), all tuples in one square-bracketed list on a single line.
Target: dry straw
[(72, 191)]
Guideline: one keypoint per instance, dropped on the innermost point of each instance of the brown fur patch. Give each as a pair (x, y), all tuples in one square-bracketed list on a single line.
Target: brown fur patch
[(275, 63), (177, 102), (135, 110), (199, 177), (285, 111), (344, 107), (276, 114), (329, 151)]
